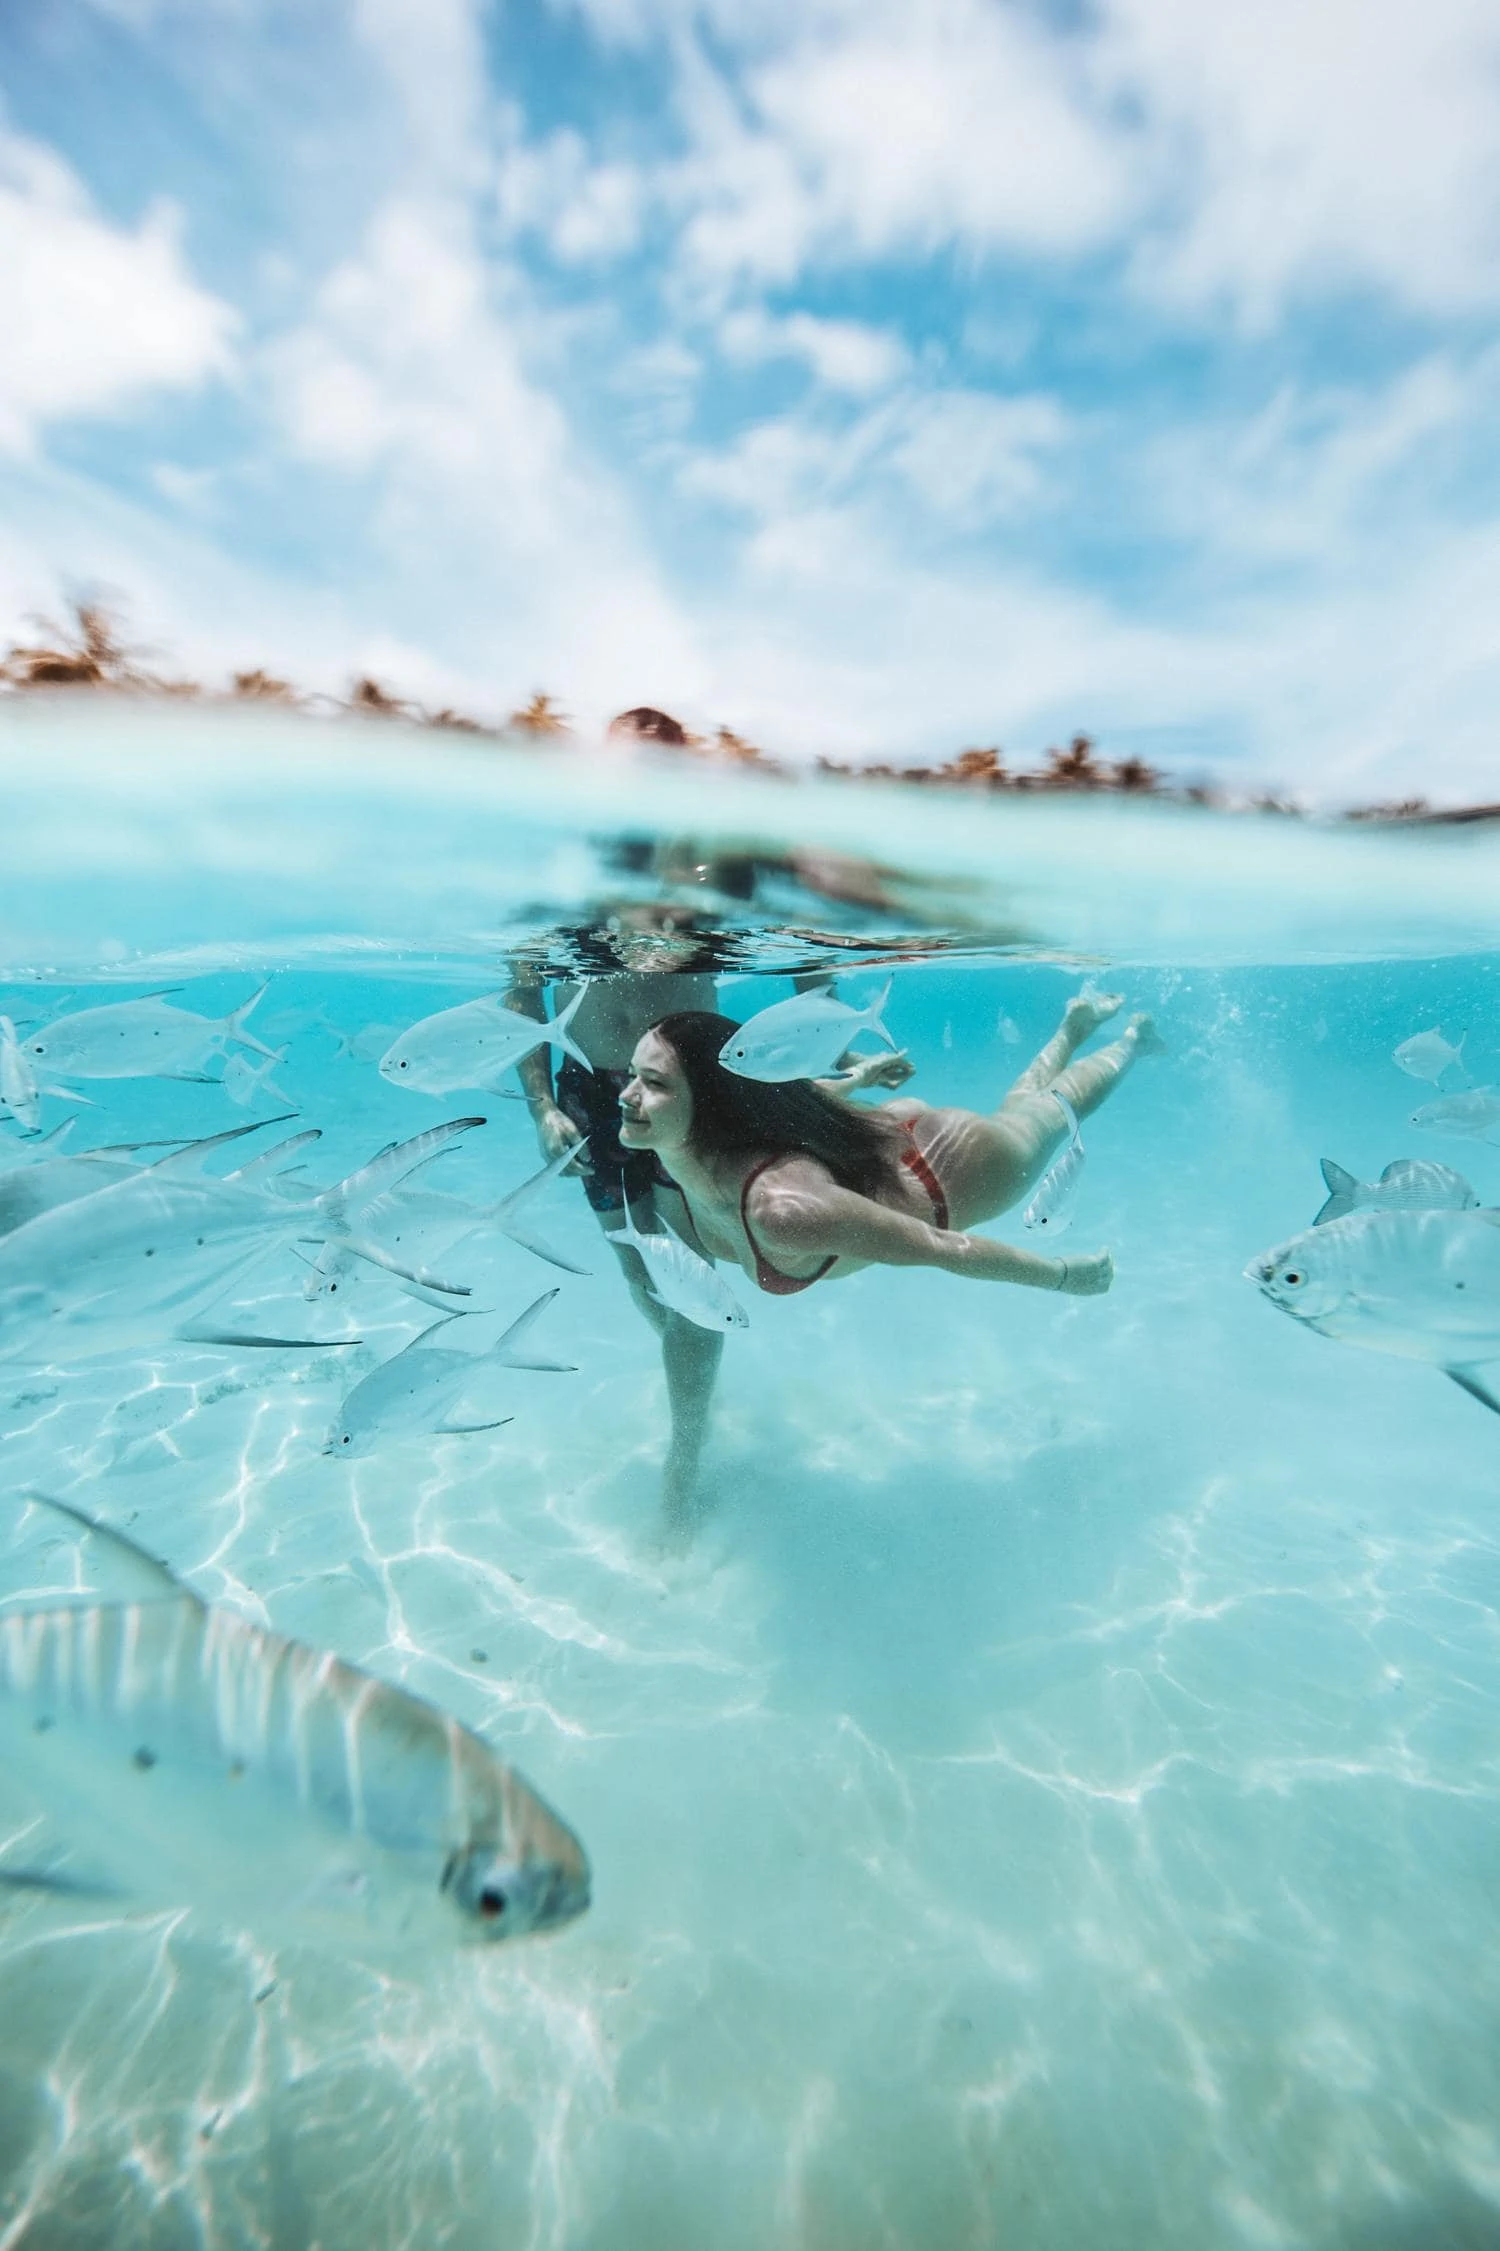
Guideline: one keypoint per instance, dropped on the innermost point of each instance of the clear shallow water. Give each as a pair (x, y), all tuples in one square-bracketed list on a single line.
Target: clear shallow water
[(1056, 1801)]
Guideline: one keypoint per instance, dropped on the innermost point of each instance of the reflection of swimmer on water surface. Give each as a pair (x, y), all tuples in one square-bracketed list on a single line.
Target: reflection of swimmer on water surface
[(643, 961), (794, 1184)]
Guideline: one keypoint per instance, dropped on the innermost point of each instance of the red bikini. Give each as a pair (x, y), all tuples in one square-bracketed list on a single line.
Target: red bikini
[(771, 1278)]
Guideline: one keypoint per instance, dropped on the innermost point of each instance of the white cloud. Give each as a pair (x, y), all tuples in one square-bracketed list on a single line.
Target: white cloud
[(973, 458), (95, 315), (884, 129), (581, 208), (965, 458), (486, 514), (1305, 147), (844, 355)]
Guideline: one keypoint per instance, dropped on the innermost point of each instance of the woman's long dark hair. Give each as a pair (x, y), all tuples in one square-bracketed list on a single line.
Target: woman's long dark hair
[(735, 1117)]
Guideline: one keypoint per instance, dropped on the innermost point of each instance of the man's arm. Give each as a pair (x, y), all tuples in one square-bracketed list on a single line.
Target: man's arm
[(555, 1130)]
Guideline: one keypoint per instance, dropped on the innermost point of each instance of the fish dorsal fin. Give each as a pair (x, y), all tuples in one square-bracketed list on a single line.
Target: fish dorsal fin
[(257, 1167), (196, 1150), (397, 1161), (136, 1576)]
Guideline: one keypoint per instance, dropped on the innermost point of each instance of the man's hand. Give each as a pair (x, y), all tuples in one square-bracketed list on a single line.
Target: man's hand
[(555, 1132)]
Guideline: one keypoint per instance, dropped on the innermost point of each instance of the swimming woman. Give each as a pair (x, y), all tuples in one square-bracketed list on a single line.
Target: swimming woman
[(797, 1185)]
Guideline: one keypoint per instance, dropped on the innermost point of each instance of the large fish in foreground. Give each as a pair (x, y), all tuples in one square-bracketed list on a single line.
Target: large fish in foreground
[(163, 1753), (1424, 1285)]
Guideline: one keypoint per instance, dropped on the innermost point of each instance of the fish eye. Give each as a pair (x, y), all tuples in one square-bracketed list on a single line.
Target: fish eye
[(1292, 1278), (492, 1902), (346, 1437), (401, 1066)]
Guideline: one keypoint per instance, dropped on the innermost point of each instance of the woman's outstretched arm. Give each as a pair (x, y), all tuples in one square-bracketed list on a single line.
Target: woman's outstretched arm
[(826, 1221)]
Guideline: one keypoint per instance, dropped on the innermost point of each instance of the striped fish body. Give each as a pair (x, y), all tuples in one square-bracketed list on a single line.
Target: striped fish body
[(174, 1755)]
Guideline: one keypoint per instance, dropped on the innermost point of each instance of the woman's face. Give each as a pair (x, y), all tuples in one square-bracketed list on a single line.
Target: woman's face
[(656, 1106)]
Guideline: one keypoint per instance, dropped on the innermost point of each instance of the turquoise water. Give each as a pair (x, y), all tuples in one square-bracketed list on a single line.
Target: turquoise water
[(1054, 1803)]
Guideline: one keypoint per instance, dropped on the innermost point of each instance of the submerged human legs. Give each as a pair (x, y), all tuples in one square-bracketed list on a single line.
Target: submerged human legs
[(989, 1163)]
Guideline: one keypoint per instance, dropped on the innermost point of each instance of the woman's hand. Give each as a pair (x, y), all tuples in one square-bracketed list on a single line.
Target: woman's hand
[(1086, 1276), (874, 1070), (555, 1132)]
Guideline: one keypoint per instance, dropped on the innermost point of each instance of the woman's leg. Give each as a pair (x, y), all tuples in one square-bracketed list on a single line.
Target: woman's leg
[(989, 1164), (1085, 1012)]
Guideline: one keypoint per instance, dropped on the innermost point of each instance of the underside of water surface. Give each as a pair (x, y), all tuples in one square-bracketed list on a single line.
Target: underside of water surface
[(1052, 1800)]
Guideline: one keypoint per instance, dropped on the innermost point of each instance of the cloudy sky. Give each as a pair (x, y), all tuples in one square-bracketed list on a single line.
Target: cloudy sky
[(868, 375)]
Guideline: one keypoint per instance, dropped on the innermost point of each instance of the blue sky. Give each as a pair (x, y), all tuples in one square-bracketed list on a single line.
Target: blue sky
[(870, 378)]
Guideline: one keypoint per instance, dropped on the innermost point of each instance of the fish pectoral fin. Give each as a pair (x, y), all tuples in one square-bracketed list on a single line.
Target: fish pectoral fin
[(1468, 1379), (529, 1241), (196, 1333), (465, 1430), (360, 1246)]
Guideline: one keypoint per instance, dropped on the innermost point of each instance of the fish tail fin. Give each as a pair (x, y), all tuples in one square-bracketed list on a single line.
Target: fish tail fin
[(507, 1353), (1342, 1189), (875, 1013), (234, 1026), (557, 1030), (506, 1214)]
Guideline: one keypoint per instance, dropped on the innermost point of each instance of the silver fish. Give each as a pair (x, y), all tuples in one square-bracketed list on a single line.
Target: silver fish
[(682, 1281), (801, 1038), (473, 1046), (1051, 1207), (1424, 1285), (245, 1082), (135, 1039), (1427, 1055), (1408, 1184), (424, 1222), (419, 1388), (19, 1092), (142, 1257), (169, 1754), (1474, 1116)]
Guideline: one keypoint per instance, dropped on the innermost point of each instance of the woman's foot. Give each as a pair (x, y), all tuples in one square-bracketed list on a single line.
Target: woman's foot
[(1087, 1010), (1148, 1040)]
